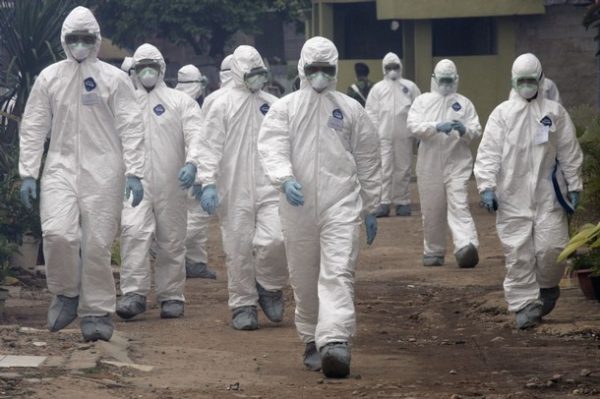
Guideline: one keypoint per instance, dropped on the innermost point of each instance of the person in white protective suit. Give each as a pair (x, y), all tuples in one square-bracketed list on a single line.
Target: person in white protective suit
[(171, 119), (549, 90), (191, 81), (127, 65), (445, 122), (229, 169), (97, 139), (226, 79), (319, 147), (526, 139), (387, 105)]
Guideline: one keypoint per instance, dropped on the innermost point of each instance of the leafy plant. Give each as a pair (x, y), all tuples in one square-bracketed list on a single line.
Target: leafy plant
[(7, 249)]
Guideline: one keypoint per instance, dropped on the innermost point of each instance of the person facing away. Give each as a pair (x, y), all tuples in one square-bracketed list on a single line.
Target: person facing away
[(361, 88)]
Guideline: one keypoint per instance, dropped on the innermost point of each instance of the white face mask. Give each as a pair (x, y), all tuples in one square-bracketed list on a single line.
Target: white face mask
[(319, 81), (148, 76), (527, 91), (80, 51), (393, 74), (256, 82)]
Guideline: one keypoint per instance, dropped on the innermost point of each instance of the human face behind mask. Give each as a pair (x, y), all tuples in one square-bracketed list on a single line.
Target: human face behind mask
[(392, 71), (445, 84), (80, 44), (256, 79), (527, 87), (148, 72), (319, 75)]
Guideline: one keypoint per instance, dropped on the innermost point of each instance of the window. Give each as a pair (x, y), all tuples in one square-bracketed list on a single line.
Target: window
[(358, 33), (464, 36)]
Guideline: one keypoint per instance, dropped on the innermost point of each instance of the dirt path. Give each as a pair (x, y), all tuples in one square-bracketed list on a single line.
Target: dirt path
[(422, 333)]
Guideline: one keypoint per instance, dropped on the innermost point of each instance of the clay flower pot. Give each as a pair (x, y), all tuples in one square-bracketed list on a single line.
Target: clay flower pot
[(585, 283)]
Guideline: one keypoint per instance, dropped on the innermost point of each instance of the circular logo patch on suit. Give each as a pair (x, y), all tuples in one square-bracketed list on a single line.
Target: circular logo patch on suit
[(456, 106), (159, 109), (546, 121), (405, 90), (337, 114), (264, 108), (89, 84)]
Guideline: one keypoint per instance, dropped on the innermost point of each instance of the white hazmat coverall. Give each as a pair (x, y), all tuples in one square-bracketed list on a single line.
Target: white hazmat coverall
[(96, 138), (227, 157), (522, 142), (444, 165), (171, 119), (327, 143), (387, 105)]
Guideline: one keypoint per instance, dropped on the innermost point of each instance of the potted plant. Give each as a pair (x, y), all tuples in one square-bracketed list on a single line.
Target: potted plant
[(587, 263)]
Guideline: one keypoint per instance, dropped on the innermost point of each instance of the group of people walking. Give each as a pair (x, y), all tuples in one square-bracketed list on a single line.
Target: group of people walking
[(292, 181)]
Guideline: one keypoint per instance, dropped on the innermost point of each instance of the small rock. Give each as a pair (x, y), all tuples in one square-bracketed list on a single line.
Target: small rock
[(320, 381), (358, 377), (234, 387), (556, 378), (497, 339), (577, 392), (585, 372), (39, 344), (452, 372), (455, 396), (412, 340), (570, 381), (550, 383), (531, 385)]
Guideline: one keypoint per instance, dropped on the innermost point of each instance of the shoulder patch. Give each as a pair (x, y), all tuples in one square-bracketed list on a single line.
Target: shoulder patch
[(89, 84), (264, 108), (546, 121), (159, 109), (405, 90), (337, 114), (456, 106)]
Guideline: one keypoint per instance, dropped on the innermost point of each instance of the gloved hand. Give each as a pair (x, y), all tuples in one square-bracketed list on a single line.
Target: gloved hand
[(371, 227), (197, 191), (209, 199), (458, 125), (134, 186), (574, 198), (444, 127), (293, 193), (488, 200), (28, 191), (187, 175)]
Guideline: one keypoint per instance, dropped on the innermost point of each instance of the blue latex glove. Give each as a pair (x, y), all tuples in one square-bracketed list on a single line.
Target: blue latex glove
[(574, 198), (371, 227), (187, 175), (28, 191), (209, 199), (458, 125), (488, 200), (134, 186), (444, 127), (293, 193), (197, 191)]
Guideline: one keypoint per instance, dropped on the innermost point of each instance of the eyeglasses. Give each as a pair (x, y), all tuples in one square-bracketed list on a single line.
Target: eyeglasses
[(327, 69), (146, 64), (256, 72), (392, 67), (86, 38)]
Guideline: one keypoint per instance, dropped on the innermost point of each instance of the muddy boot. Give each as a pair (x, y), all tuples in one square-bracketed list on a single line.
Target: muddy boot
[(467, 257), (199, 270), (383, 211), (130, 305), (549, 297), (171, 309), (528, 317), (271, 303), (94, 328), (312, 358), (62, 312), (430, 260), (335, 360), (245, 318), (403, 210)]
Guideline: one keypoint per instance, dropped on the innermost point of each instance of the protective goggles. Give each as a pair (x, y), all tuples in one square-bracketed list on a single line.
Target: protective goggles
[(80, 37), (445, 80), (256, 72), (325, 68), (392, 67), (529, 80), (143, 64)]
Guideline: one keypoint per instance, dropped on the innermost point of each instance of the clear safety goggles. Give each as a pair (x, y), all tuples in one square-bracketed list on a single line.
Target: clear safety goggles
[(323, 67), (80, 37), (143, 64), (392, 67), (525, 80), (445, 80), (256, 72)]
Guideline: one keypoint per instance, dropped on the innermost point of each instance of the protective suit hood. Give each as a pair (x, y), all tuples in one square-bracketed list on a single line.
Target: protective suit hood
[(527, 66), (391, 58), (190, 81), (225, 74), (317, 49), (127, 64), (245, 58), (444, 68), (80, 19), (149, 52)]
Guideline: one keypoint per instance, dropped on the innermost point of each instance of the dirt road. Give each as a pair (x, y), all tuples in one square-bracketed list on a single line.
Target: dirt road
[(422, 333)]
